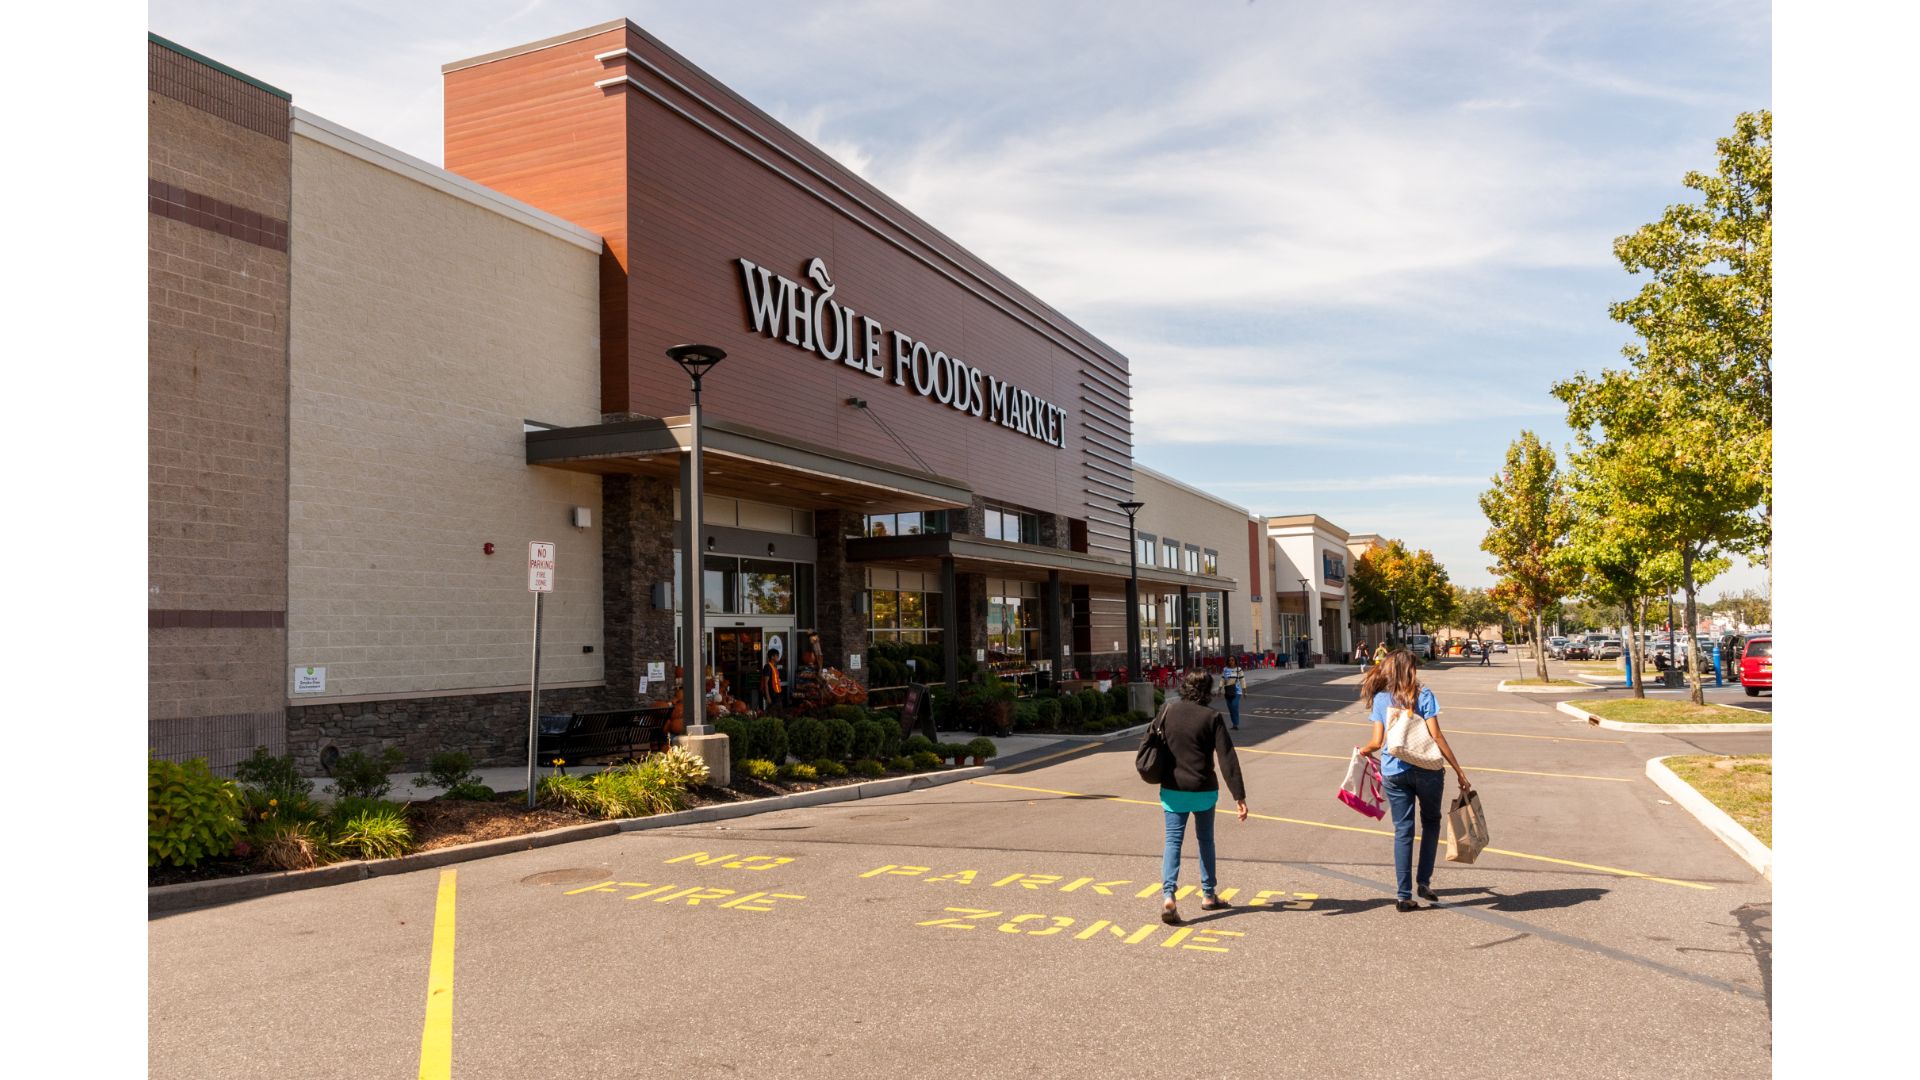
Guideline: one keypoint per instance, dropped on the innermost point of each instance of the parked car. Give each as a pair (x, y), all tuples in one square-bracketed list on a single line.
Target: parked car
[(1608, 649), (1756, 665), (1556, 648), (1732, 648), (1575, 649), (1421, 645), (1499, 646)]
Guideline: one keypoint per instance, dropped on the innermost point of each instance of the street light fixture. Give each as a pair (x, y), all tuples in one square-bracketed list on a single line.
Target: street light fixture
[(696, 360), (1306, 617), (1139, 691)]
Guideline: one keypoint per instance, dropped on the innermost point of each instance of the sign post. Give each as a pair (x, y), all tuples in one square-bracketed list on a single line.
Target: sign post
[(539, 583)]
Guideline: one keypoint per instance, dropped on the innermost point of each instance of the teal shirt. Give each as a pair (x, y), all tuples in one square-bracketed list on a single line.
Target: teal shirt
[(1187, 802)]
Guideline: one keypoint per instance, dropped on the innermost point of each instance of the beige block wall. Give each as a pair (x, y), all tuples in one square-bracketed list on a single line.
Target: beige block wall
[(1172, 511), (425, 328)]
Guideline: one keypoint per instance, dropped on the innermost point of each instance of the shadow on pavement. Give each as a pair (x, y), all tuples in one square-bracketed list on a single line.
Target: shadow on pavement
[(1537, 900)]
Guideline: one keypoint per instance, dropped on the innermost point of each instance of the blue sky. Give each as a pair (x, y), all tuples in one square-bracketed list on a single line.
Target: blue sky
[(1347, 247)]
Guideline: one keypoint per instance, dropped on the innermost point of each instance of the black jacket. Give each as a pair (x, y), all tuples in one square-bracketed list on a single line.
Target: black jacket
[(1197, 735)]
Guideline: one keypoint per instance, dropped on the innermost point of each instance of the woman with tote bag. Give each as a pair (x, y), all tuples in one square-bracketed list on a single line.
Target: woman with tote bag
[(1406, 721), (1194, 735)]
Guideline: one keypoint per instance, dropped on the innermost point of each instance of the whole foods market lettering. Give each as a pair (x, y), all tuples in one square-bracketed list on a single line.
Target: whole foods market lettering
[(812, 319)]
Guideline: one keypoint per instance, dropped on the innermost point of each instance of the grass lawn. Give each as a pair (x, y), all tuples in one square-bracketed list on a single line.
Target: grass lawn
[(1658, 711), (1742, 786), (1596, 667), (1544, 682)]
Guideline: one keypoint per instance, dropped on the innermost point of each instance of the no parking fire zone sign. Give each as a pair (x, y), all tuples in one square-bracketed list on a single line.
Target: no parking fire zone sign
[(539, 566)]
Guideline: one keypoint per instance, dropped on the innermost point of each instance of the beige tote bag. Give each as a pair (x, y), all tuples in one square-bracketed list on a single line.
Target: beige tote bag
[(1409, 740)]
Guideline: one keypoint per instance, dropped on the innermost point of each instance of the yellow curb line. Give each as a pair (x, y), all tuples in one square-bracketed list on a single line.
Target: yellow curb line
[(1374, 832)]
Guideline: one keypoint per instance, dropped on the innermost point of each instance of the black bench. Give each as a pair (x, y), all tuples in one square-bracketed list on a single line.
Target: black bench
[(612, 733)]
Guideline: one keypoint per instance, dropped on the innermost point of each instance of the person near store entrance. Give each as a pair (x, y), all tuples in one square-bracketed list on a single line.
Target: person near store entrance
[(772, 695), (1360, 654), (1300, 650)]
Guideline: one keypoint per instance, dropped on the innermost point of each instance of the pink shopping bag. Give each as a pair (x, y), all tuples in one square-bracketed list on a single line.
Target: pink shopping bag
[(1361, 789)]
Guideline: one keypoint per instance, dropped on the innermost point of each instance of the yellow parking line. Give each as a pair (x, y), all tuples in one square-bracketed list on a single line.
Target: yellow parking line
[(1450, 730), (1375, 832), (1477, 768), (436, 1038)]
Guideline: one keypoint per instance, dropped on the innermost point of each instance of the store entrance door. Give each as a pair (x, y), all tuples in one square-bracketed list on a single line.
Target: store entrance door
[(737, 655)]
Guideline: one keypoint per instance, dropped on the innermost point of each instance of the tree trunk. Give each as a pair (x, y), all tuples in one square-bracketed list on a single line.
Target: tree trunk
[(1636, 660), (1697, 693), (1539, 644)]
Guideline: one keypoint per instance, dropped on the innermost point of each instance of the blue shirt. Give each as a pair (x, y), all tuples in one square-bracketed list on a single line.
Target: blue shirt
[(1426, 705)]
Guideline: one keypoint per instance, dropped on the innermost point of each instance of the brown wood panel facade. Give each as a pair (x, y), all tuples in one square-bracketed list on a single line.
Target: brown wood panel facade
[(684, 178)]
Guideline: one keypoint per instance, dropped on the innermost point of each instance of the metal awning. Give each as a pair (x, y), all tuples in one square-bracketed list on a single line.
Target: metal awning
[(747, 463), (976, 555)]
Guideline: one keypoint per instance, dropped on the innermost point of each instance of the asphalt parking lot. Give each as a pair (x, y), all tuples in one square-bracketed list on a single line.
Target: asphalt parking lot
[(1007, 927)]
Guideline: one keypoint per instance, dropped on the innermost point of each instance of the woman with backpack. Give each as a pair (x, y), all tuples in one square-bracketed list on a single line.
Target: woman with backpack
[(1406, 716), (1195, 736)]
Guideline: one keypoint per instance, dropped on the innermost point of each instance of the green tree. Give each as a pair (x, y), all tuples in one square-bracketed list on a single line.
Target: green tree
[(1749, 606), (1476, 611), (1529, 517), (1396, 582)]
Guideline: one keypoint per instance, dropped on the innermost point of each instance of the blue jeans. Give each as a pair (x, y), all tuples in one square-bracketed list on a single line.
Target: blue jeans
[(1233, 709), (1170, 859), (1403, 789)]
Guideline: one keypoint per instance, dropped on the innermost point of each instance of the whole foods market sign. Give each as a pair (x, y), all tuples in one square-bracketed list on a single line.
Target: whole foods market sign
[(812, 319)]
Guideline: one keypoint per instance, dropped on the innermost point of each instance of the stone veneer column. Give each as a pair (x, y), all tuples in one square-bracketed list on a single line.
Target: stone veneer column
[(970, 602), (637, 553), (837, 586)]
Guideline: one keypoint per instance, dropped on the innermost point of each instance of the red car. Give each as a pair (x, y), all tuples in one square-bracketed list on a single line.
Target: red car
[(1756, 665)]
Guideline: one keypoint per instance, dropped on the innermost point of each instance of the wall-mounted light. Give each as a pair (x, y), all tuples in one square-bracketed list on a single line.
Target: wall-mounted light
[(769, 551), (709, 543), (582, 517)]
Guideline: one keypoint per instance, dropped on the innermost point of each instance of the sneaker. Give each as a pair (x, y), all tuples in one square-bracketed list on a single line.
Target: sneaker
[(1406, 905), (1427, 894)]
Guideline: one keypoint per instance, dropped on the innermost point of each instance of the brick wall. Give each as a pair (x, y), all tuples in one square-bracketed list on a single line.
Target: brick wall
[(219, 183)]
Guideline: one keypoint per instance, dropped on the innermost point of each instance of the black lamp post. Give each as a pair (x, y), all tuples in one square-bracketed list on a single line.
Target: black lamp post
[(1133, 593), (697, 360), (1306, 606)]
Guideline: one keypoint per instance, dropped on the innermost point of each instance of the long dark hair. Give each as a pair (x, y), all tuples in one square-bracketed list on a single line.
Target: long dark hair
[(1396, 676)]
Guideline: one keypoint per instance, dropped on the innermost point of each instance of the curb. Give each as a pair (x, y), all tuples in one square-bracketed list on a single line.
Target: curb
[(1579, 713), (167, 899), (1732, 833), (1506, 687)]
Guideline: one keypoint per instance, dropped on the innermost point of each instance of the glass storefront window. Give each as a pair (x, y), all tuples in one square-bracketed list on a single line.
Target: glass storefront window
[(886, 614), (913, 611), (720, 587), (1193, 560), (1145, 546), (1170, 554), (1210, 563), (766, 587)]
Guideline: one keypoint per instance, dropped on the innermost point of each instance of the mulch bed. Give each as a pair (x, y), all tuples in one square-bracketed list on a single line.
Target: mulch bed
[(440, 823)]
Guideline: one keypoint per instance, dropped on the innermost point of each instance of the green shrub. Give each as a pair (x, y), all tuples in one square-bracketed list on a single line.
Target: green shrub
[(1026, 716), (341, 810), (759, 769), (638, 790), (924, 760), (683, 767), (981, 749), (831, 770), (452, 771), (1117, 699), (569, 793), (191, 813), (869, 735), (869, 767), (839, 737), (274, 777), (375, 834), (364, 775), (1159, 698), (852, 714), (795, 770), (807, 737), (1049, 710), (738, 731), (1093, 705), (901, 763), (1136, 718), (916, 744), (770, 739), (941, 706), (1069, 712)]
